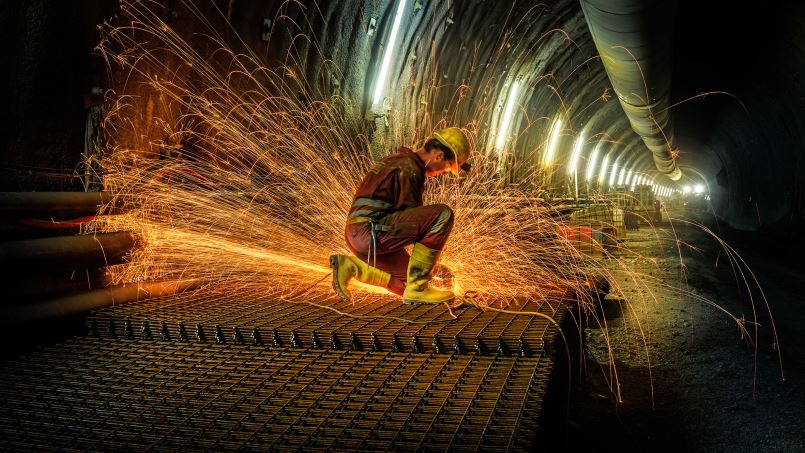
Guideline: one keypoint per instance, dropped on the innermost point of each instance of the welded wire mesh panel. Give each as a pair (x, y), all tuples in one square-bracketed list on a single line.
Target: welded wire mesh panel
[(377, 324), (96, 394)]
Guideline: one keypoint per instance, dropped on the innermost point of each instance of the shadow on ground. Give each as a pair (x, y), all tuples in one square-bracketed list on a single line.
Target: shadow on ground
[(687, 378)]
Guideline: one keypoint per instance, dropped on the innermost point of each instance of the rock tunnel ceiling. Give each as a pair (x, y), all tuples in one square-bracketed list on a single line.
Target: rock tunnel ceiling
[(736, 97), (455, 63)]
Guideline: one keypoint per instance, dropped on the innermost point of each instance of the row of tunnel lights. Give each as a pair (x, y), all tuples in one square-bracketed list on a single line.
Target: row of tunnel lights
[(629, 178)]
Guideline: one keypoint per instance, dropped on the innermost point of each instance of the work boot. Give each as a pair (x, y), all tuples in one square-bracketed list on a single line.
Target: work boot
[(420, 266), (346, 267)]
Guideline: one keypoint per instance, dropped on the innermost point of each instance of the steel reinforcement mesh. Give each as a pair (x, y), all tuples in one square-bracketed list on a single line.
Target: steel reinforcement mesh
[(118, 394), (378, 324)]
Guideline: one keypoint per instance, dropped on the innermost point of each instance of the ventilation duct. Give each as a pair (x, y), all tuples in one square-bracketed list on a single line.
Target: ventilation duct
[(633, 38)]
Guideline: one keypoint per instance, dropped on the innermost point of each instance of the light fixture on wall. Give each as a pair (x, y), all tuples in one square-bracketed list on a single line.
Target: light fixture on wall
[(391, 44), (553, 139), (622, 176), (602, 173), (591, 163), (613, 174), (506, 119), (573, 165)]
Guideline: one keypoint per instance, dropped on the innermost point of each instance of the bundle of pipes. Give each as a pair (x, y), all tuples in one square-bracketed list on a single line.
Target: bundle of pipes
[(50, 269), (19, 205)]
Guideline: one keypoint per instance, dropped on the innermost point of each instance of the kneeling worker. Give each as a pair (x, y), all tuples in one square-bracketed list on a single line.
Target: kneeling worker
[(387, 214)]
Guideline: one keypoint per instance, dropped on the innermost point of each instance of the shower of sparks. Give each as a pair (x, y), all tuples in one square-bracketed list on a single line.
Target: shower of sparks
[(242, 177), (251, 182)]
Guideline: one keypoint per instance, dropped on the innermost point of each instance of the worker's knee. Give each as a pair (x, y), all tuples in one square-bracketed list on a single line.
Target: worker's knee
[(444, 220)]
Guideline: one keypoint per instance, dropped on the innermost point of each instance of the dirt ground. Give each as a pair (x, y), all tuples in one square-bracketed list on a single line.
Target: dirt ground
[(711, 392)]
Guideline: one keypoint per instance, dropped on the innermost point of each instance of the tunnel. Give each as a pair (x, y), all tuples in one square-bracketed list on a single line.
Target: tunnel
[(623, 264)]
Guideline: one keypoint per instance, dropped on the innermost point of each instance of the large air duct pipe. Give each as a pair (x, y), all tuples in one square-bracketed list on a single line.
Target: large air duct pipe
[(72, 252), (93, 300), (633, 38), (52, 204)]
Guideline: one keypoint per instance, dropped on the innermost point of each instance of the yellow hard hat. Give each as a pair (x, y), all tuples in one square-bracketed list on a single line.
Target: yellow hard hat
[(453, 138)]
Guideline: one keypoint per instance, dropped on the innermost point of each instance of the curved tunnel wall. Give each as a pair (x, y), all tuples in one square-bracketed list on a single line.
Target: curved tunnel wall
[(466, 57), (455, 61), (752, 153), (455, 65)]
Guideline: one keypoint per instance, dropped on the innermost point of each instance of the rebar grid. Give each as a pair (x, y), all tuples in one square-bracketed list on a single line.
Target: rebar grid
[(253, 318), (96, 394)]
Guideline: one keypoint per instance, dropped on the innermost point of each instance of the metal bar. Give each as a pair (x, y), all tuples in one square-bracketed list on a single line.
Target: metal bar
[(95, 299), (523, 404), (293, 323), (72, 252), (52, 204), (409, 386), (26, 285), (362, 409), (92, 394)]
